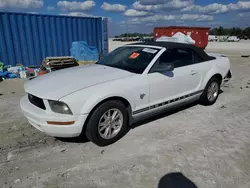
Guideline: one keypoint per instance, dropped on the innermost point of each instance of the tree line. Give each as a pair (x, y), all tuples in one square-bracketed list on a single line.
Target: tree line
[(235, 31), (135, 35)]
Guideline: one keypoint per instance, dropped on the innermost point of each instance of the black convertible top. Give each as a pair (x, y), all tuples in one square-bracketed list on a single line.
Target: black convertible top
[(172, 45)]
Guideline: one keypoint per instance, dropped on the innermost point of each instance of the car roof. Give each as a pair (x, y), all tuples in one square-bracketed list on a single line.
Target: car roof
[(171, 45), (165, 44)]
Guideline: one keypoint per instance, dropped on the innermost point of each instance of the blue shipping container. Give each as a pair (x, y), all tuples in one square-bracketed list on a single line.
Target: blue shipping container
[(29, 38)]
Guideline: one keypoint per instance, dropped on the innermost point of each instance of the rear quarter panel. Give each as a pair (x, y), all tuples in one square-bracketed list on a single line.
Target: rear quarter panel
[(221, 65)]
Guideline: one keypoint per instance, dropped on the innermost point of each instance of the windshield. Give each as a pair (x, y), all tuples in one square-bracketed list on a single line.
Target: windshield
[(130, 58)]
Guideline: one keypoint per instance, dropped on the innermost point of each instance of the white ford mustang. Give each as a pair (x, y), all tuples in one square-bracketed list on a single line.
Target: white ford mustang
[(134, 81)]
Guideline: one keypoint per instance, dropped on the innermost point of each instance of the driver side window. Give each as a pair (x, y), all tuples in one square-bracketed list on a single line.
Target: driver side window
[(168, 57), (179, 57)]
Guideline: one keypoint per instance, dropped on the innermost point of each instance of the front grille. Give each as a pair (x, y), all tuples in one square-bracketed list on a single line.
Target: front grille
[(38, 102)]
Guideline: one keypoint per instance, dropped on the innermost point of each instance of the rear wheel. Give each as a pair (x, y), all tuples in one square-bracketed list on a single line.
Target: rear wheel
[(211, 92), (108, 123)]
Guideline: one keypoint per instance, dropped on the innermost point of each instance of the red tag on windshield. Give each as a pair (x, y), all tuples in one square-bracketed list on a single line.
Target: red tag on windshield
[(134, 55)]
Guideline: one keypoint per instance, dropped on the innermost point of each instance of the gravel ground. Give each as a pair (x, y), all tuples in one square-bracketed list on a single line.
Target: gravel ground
[(209, 146)]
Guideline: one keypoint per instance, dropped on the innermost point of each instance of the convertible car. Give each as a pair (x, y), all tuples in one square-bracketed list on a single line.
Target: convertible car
[(133, 82)]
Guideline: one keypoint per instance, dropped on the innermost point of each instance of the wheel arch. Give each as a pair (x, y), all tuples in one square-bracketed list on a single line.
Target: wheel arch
[(210, 76), (218, 76), (116, 98)]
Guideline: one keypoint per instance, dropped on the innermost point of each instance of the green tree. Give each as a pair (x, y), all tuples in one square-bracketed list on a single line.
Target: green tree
[(246, 32)]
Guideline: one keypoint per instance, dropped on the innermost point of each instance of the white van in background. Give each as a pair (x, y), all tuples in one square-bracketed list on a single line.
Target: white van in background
[(233, 39)]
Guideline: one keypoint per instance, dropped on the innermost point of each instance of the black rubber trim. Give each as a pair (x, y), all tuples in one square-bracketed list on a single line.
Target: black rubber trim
[(38, 102), (166, 103), (229, 75)]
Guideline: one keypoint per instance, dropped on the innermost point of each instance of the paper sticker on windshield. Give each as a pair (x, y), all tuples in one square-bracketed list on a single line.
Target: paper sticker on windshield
[(149, 50), (134, 55)]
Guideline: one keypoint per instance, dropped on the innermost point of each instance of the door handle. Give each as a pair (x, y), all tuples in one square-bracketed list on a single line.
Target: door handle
[(193, 72)]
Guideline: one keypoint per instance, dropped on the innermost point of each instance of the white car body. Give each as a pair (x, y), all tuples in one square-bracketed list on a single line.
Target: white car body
[(83, 88)]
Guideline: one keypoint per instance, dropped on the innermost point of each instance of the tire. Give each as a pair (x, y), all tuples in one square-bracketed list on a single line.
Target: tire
[(206, 95), (94, 130)]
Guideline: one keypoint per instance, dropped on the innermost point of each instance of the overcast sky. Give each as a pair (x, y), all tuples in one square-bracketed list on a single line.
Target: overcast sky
[(143, 15)]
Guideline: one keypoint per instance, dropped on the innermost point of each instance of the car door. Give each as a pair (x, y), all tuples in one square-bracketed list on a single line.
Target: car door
[(189, 67), (169, 85)]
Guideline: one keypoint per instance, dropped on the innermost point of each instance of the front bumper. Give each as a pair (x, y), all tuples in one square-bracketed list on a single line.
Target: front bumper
[(38, 118)]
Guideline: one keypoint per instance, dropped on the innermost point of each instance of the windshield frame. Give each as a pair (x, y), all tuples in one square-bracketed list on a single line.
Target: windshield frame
[(150, 64)]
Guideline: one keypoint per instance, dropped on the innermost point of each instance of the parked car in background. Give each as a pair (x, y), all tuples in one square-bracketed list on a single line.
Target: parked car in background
[(233, 39), (213, 38), (133, 82), (223, 38)]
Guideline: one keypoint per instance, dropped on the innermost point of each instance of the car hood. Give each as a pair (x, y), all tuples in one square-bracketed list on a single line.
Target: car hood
[(60, 83)]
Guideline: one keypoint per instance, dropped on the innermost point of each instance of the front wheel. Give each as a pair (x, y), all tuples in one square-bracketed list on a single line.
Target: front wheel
[(108, 123), (211, 92)]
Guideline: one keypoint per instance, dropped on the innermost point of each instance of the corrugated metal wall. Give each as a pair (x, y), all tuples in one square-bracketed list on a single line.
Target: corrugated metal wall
[(29, 38), (105, 36)]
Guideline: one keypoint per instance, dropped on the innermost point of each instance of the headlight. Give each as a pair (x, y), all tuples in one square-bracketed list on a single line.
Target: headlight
[(60, 107)]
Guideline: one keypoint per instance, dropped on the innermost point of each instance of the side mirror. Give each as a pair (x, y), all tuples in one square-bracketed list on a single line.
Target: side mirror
[(164, 67)]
